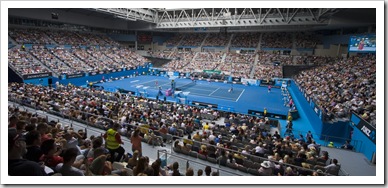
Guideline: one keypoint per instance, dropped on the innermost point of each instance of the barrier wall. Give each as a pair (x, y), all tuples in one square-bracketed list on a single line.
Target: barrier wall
[(46, 79), (365, 132), (92, 78), (312, 116)]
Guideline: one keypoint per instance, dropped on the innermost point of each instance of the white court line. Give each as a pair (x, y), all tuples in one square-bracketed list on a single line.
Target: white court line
[(144, 83), (214, 91), (240, 95), (216, 97)]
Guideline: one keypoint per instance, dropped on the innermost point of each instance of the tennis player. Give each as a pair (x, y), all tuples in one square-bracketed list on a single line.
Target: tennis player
[(231, 89)]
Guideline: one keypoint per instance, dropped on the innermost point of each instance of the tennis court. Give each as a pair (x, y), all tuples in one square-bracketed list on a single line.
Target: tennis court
[(242, 99), (193, 88)]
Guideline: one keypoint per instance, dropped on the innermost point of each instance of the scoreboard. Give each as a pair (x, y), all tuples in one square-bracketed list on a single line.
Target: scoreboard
[(144, 38)]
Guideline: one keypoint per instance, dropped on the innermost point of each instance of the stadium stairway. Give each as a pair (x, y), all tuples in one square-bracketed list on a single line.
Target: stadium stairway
[(258, 48), (352, 163), (207, 35), (254, 66), (11, 41), (230, 41)]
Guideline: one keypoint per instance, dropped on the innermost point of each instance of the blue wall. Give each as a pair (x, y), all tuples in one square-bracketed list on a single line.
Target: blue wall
[(122, 37), (339, 129), (367, 147), (335, 39), (316, 123), (37, 81), (159, 39), (82, 80)]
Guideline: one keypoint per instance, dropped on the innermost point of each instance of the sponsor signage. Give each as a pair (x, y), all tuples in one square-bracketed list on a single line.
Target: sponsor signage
[(75, 75), (366, 128), (261, 113), (212, 71), (236, 79), (206, 105), (250, 81), (33, 76)]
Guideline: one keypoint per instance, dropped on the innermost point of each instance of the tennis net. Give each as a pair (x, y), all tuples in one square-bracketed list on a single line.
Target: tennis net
[(183, 87)]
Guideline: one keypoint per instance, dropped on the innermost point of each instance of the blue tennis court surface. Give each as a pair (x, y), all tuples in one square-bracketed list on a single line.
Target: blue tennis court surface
[(241, 99)]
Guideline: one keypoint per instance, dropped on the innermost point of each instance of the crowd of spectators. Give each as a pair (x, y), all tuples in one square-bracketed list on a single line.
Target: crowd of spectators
[(246, 40), (61, 37), (160, 54), (193, 39), (238, 143), (217, 39), (114, 58), (70, 59), (109, 41), (87, 58), (179, 61), (266, 68), (313, 60), (124, 57), (74, 60), (66, 37), (24, 63), (306, 40), (239, 65), (29, 36), (90, 106), (277, 40), (174, 40), (343, 86), (266, 71), (205, 61), (91, 39), (47, 57)]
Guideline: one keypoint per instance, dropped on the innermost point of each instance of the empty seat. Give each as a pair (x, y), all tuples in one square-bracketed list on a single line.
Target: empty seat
[(231, 165), (253, 171), (203, 157), (212, 160), (242, 168), (248, 163), (193, 154)]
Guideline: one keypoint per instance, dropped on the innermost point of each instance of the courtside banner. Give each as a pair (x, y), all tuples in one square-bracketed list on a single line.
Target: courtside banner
[(250, 81), (75, 75), (33, 76), (364, 127)]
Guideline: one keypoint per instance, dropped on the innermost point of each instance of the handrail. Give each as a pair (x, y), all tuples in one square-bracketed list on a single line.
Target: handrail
[(188, 160)]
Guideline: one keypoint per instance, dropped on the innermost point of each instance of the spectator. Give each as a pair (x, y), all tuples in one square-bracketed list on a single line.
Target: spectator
[(33, 142), (140, 167), (113, 141), (66, 168), (332, 168), (190, 172), (136, 142), (51, 153), (199, 172), (208, 170), (347, 145), (265, 169), (17, 166), (132, 162)]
